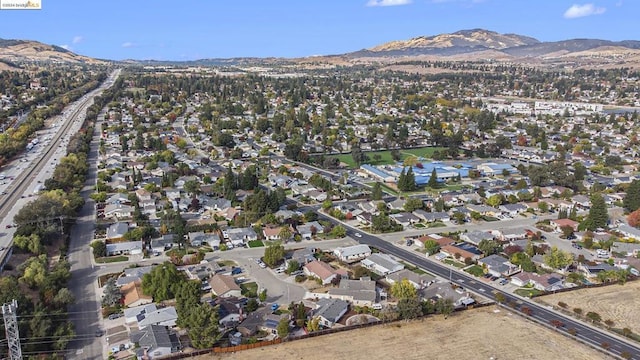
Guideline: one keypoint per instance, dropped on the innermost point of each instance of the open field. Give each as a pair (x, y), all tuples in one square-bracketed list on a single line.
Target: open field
[(619, 303), (385, 155), (474, 334)]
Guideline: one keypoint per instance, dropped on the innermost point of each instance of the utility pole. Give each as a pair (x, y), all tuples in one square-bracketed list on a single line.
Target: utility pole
[(9, 313)]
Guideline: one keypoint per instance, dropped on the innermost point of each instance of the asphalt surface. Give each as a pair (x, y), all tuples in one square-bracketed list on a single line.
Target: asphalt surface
[(86, 310), (585, 333)]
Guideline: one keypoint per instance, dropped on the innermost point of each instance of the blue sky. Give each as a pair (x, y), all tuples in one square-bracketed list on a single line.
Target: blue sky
[(194, 29)]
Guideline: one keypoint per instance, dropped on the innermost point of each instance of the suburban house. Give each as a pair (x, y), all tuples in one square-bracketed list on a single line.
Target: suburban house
[(511, 234), (321, 270), (133, 295), (496, 265), (240, 236), (230, 310), (360, 292), (224, 286), (558, 224), (591, 271), (308, 230), (200, 238), (441, 240), (544, 282), (432, 216), (629, 231), (118, 211), (382, 264), (461, 252), (125, 248), (133, 274), (330, 311), (475, 237), (154, 342), (202, 271), (116, 231), (133, 314), (166, 316), (303, 256), (271, 233), (513, 209), (404, 219), (418, 281), (628, 249), (353, 253)]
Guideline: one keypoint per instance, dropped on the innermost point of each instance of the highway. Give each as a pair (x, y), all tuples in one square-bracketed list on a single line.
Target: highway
[(41, 167), (591, 335)]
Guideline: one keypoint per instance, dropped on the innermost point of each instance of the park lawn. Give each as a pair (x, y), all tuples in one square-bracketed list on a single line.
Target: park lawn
[(256, 243), (111, 259), (385, 156), (425, 152)]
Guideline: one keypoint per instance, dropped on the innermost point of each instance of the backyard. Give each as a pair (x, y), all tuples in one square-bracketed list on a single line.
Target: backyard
[(461, 336)]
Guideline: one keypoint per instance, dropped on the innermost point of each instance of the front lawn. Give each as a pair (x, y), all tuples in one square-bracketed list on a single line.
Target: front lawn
[(528, 292), (475, 270), (436, 224), (415, 269), (454, 263), (111, 259), (249, 289), (256, 243)]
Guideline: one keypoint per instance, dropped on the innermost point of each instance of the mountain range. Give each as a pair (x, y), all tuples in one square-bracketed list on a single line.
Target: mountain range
[(469, 45)]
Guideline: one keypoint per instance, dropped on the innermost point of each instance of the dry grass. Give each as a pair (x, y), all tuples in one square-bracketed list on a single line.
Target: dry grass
[(619, 303), (474, 334)]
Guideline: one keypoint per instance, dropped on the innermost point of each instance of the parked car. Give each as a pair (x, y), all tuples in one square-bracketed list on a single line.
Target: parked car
[(115, 316)]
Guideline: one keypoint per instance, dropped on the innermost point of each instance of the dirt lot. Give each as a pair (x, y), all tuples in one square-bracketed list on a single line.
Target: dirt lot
[(474, 334), (619, 303)]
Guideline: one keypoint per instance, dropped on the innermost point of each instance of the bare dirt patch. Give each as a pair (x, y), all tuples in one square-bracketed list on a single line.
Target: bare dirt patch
[(619, 303), (474, 334)]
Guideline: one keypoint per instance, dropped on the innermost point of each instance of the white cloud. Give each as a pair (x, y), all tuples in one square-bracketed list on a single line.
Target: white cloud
[(128, 44), (576, 11), (388, 2), (77, 39), (66, 47)]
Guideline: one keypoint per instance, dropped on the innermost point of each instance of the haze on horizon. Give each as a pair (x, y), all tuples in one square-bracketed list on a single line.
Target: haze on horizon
[(292, 28)]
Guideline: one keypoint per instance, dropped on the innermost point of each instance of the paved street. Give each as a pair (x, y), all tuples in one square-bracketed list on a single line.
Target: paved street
[(83, 282)]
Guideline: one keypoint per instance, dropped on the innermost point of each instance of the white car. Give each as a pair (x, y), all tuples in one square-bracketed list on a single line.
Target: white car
[(358, 235)]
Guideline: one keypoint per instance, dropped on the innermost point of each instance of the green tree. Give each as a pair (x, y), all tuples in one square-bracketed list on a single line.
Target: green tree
[(31, 243), (376, 191), (273, 254), (598, 216), (444, 306), (262, 296), (557, 258), (203, 326), (431, 246), (292, 266), (283, 328), (339, 231), (409, 308), (403, 289), (412, 204), (163, 281), (495, 200), (111, 294), (489, 247), (433, 180), (631, 200)]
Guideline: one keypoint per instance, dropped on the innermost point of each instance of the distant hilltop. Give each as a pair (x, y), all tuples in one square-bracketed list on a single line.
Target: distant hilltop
[(464, 45), (485, 44)]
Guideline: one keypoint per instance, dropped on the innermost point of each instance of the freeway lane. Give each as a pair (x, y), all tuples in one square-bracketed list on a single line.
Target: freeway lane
[(588, 334)]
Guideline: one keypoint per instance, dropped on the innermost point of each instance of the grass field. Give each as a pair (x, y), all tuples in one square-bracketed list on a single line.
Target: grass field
[(256, 243), (385, 156)]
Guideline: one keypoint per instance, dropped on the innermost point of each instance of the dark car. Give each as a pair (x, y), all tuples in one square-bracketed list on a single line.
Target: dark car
[(99, 332), (115, 316)]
